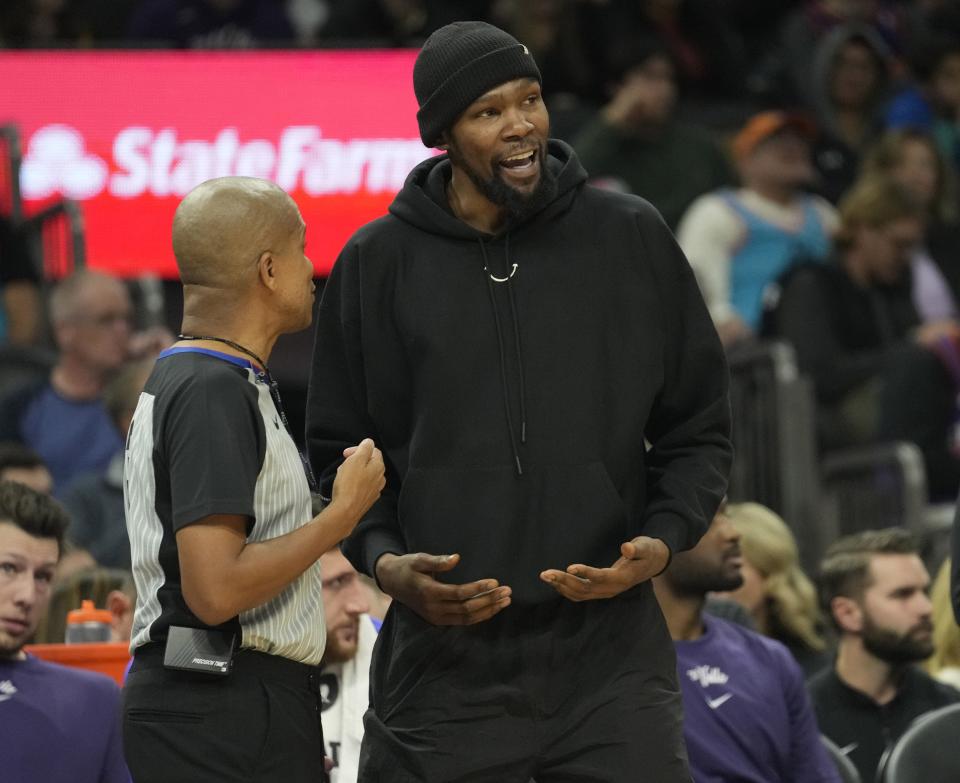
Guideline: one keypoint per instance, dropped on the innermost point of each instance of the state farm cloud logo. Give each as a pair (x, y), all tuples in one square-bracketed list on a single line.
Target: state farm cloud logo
[(56, 162), (159, 163)]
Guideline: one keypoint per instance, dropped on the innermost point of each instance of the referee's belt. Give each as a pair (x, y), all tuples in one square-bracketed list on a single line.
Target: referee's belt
[(245, 662)]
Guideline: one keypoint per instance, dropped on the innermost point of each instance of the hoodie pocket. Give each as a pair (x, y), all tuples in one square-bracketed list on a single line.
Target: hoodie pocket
[(511, 528)]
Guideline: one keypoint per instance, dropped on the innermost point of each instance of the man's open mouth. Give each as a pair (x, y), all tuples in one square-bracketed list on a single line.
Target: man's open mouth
[(520, 161)]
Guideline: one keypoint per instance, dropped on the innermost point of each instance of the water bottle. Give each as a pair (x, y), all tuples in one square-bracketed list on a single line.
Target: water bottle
[(88, 624)]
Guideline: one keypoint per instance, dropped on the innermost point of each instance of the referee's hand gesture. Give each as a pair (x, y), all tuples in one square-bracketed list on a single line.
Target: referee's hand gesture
[(359, 481), (223, 573)]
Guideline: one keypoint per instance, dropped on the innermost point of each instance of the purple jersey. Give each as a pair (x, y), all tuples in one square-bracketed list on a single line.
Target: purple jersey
[(747, 715), (59, 725)]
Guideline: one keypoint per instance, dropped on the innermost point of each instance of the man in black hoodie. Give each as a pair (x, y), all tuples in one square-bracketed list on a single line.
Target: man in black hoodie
[(513, 338)]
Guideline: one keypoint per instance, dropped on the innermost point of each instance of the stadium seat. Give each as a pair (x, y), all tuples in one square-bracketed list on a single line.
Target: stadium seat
[(926, 753), (880, 486), (848, 772)]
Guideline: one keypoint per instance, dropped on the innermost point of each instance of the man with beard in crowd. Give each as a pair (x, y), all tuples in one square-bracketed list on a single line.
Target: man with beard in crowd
[(345, 681), (747, 716), (874, 587), (512, 337)]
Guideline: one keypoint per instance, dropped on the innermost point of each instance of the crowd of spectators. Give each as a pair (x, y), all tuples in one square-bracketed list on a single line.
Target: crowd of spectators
[(790, 50), (747, 124)]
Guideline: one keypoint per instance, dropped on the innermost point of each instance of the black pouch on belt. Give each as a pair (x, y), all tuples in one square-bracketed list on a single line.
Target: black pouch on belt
[(199, 650)]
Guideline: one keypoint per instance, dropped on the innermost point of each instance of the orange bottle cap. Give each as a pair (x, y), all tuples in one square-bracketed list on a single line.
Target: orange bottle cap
[(88, 613)]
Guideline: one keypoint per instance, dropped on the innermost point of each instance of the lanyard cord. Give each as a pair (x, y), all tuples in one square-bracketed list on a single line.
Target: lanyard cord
[(231, 343)]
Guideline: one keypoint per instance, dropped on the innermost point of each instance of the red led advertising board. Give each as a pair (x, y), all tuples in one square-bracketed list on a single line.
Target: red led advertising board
[(127, 134)]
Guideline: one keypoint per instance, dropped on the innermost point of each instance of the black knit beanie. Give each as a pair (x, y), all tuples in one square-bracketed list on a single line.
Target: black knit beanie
[(458, 64)]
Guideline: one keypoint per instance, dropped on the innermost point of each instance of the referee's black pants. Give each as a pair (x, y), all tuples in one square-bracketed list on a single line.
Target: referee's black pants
[(259, 723), (562, 692)]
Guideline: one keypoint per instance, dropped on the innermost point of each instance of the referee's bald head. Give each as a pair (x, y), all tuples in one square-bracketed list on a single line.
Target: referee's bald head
[(224, 225)]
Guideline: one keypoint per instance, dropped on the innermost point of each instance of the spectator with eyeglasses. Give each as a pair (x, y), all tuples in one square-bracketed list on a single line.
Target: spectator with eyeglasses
[(63, 418)]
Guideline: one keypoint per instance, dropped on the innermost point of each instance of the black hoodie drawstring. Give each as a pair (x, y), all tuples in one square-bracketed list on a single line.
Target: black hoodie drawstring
[(503, 358), (516, 335)]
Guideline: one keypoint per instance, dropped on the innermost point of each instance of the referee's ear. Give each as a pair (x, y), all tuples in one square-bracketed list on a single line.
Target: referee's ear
[(266, 268)]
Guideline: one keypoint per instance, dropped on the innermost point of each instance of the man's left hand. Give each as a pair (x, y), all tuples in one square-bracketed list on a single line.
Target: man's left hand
[(643, 558)]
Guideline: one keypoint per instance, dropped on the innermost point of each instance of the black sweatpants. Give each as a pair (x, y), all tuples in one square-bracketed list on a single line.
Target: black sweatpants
[(259, 723), (559, 693)]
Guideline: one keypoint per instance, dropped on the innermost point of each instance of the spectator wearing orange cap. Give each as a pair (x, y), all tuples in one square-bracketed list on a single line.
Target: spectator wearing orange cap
[(739, 241)]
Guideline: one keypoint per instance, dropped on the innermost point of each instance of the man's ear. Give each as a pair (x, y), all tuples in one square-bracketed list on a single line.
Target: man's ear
[(847, 613), (266, 268)]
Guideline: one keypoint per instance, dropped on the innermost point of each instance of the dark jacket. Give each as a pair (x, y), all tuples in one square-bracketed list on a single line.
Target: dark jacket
[(513, 415), (863, 729), (841, 330), (669, 168)]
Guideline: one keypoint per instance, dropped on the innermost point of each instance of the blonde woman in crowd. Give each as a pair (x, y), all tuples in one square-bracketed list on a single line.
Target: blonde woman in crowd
[(944, 664), (912, 159), (781, 599)]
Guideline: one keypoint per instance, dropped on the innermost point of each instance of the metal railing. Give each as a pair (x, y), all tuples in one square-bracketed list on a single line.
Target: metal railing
[(11, 157), (774, 441)]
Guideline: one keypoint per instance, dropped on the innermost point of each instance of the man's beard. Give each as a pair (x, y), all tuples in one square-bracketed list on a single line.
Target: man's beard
[(518, 205), (689, 577), (337, 652), (894, 648)]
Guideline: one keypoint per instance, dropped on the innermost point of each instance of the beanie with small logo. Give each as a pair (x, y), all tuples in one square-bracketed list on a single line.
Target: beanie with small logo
[(459, 63)]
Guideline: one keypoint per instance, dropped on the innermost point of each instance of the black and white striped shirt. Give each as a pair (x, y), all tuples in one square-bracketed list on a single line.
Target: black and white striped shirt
[(206, 438)]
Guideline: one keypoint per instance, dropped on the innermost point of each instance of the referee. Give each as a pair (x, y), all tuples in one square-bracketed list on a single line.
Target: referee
[(229, 627)]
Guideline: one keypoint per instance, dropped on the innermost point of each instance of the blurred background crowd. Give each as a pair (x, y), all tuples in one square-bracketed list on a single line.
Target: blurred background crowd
[(805, 153)]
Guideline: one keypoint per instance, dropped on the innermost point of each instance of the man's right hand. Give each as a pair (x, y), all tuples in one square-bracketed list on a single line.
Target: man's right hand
[(410, 580)]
